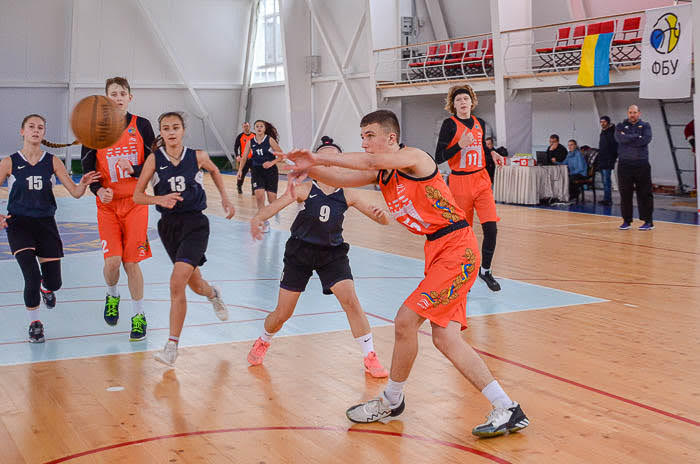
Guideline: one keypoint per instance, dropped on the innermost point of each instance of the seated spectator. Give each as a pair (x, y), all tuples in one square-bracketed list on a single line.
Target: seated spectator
[(490, 165), (556, 153), (578, 168)]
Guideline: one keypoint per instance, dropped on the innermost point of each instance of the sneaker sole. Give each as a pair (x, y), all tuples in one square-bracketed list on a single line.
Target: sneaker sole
[(499, 433), (41, 340), (131, 339), (163, 361), (383, 375), (253, 363)]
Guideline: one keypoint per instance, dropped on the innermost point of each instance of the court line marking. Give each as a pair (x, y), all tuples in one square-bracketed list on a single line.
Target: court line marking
[(570, 382), (326, 428)]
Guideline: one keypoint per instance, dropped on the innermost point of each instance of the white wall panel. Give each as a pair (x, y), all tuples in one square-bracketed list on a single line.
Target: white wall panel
[(270, 103)]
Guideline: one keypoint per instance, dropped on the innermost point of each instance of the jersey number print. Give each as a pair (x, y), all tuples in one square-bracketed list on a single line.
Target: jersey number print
[(177, 184), (35, 182)]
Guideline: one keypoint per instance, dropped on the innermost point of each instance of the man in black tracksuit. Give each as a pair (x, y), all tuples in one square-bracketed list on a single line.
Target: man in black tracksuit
[(633, 170)]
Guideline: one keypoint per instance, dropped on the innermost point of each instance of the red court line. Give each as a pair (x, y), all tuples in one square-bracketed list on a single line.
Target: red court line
[(570, 382), (433, 441), (616, 282)]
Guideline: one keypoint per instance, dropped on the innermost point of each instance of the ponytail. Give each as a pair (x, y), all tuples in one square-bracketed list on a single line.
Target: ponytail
[(46, 143), (157, 143)]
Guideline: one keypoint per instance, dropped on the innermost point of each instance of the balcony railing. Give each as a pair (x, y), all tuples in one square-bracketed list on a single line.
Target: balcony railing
[(556, 50)]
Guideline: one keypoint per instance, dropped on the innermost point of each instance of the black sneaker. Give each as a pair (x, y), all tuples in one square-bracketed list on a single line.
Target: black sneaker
[(49, 298), (36, 332), (490, 281), (138, 328), (111, 309), (501, 421), (240, 190)]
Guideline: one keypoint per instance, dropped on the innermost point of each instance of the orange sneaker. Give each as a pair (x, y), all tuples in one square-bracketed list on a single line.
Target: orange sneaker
[(374, 367), (257, 352)]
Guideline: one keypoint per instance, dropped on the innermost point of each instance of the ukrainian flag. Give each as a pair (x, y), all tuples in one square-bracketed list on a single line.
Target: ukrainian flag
[(595, 60)]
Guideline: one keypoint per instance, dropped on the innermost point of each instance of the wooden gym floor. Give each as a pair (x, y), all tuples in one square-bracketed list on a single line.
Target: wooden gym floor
[(615, 380)]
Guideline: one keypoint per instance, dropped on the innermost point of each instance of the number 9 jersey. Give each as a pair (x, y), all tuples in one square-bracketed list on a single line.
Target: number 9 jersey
[(184, 178)]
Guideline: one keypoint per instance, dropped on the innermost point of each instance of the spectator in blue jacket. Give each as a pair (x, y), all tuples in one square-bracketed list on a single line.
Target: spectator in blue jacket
[(633, 169), (578, 168), (607, 155)]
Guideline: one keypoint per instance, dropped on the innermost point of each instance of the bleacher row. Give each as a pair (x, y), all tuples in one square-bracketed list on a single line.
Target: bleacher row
[(454, 60)]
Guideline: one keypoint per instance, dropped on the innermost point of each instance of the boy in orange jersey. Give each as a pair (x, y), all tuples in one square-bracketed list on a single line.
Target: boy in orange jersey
[(462, 143), (122, 224), (418, 198)]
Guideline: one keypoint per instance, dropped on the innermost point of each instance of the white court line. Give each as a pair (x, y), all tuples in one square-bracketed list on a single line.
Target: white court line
[(577, 224)]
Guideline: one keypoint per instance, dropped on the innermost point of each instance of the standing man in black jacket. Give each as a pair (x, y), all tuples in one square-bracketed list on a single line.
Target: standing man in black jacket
[(633, 170), (607, 155), (242, 140)]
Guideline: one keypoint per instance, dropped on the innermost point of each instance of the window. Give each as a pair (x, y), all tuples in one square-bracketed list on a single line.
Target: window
[(267, 56)]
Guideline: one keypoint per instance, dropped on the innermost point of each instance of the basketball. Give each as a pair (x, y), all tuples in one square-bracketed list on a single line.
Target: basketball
[(96, 122)]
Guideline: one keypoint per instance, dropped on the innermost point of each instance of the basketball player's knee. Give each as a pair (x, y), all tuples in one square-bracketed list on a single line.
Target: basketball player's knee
[(177, 285), (403, 328), (112, 264), (32, 277), (441, 340), (51, 275)]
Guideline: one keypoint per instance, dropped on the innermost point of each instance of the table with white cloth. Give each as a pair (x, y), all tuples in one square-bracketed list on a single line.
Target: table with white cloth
[(527, 185)]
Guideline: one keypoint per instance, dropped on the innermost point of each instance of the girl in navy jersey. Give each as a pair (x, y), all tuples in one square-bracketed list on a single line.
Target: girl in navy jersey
[(175, 173), (32, 232), (317, 245), (264, 172)]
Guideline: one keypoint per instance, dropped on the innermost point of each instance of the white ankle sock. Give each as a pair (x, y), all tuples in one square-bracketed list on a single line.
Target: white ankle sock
[(484, 271), (495, 394), (392, 392), (366, 343), (175, 339), (32, 315), (267, 337), (137, 305), (112, 290)]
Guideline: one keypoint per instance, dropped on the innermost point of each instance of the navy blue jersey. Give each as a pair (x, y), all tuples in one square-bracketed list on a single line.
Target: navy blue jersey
[(31, 187), (320, 218), (261, 151), (186, 179)]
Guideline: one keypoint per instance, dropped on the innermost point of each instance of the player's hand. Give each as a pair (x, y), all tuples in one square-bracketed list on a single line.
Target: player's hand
[(89, 178), (269, 164), (169, 200), (466, 139), (303, 159), (3, 220), (256, 228), (105, 194), (125, 165), (497, 158), (380, 215), (228, 207)]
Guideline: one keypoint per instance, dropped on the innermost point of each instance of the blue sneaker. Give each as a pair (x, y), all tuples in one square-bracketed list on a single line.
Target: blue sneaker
[(625, 225), (647, 226)]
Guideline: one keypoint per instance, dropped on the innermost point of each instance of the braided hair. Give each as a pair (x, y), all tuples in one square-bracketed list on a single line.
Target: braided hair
[(328, 142), (45, 142)]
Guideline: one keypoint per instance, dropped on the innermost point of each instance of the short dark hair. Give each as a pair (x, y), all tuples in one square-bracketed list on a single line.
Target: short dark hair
[(488, 138), (554, 136), (605, 118), (575, 143), (121, 81), (385, 118)]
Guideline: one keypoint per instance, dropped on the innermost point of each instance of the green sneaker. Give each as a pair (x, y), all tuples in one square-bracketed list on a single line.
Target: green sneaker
[(138, 328), (112, 309)]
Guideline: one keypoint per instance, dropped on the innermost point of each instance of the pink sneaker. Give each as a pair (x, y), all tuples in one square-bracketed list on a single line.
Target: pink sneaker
[(257, 352), (373, 366)]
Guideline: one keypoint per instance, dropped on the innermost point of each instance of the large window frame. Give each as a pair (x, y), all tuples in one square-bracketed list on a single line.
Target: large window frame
[(268, 56)]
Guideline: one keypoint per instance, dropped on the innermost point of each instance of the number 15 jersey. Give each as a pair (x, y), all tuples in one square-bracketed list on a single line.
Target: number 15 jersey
[(186, 179)]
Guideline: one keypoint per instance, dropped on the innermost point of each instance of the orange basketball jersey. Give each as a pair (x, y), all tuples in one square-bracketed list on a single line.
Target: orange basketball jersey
[(470, 158), (129, 146), (423, 205), (244, 143)]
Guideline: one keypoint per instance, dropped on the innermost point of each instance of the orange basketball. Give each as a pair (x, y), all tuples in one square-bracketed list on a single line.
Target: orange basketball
[(97, 122)]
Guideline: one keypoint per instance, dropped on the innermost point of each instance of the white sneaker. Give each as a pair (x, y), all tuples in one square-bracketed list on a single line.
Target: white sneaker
[(266, 227), (217, 302), (376, 410), (169, 353), (501, 421)]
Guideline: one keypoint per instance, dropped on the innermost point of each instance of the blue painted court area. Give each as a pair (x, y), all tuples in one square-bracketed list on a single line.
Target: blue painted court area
[(248, 273)]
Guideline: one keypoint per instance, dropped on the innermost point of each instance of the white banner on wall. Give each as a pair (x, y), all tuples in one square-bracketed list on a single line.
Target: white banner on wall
[(667, 46)]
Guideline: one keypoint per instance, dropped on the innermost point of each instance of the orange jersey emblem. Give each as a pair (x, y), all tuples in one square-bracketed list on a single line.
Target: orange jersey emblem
[(130, 147), (424, 205), (469, 158)]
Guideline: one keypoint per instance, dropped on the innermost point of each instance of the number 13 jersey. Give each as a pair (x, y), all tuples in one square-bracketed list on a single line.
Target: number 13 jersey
[(186, 179)]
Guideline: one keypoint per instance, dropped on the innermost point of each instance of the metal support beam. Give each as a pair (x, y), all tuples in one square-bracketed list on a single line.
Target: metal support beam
[(243, 101), (178, 67), (499, 81), (437, 19), (577, 9), (334, 58), (71, 80), (696, 103)]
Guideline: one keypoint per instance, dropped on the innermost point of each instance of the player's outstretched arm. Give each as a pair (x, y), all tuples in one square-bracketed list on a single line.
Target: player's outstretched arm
[(5, 169), (204, 161), (300, 193), (76, 190), (375, 213), (140, 195)]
